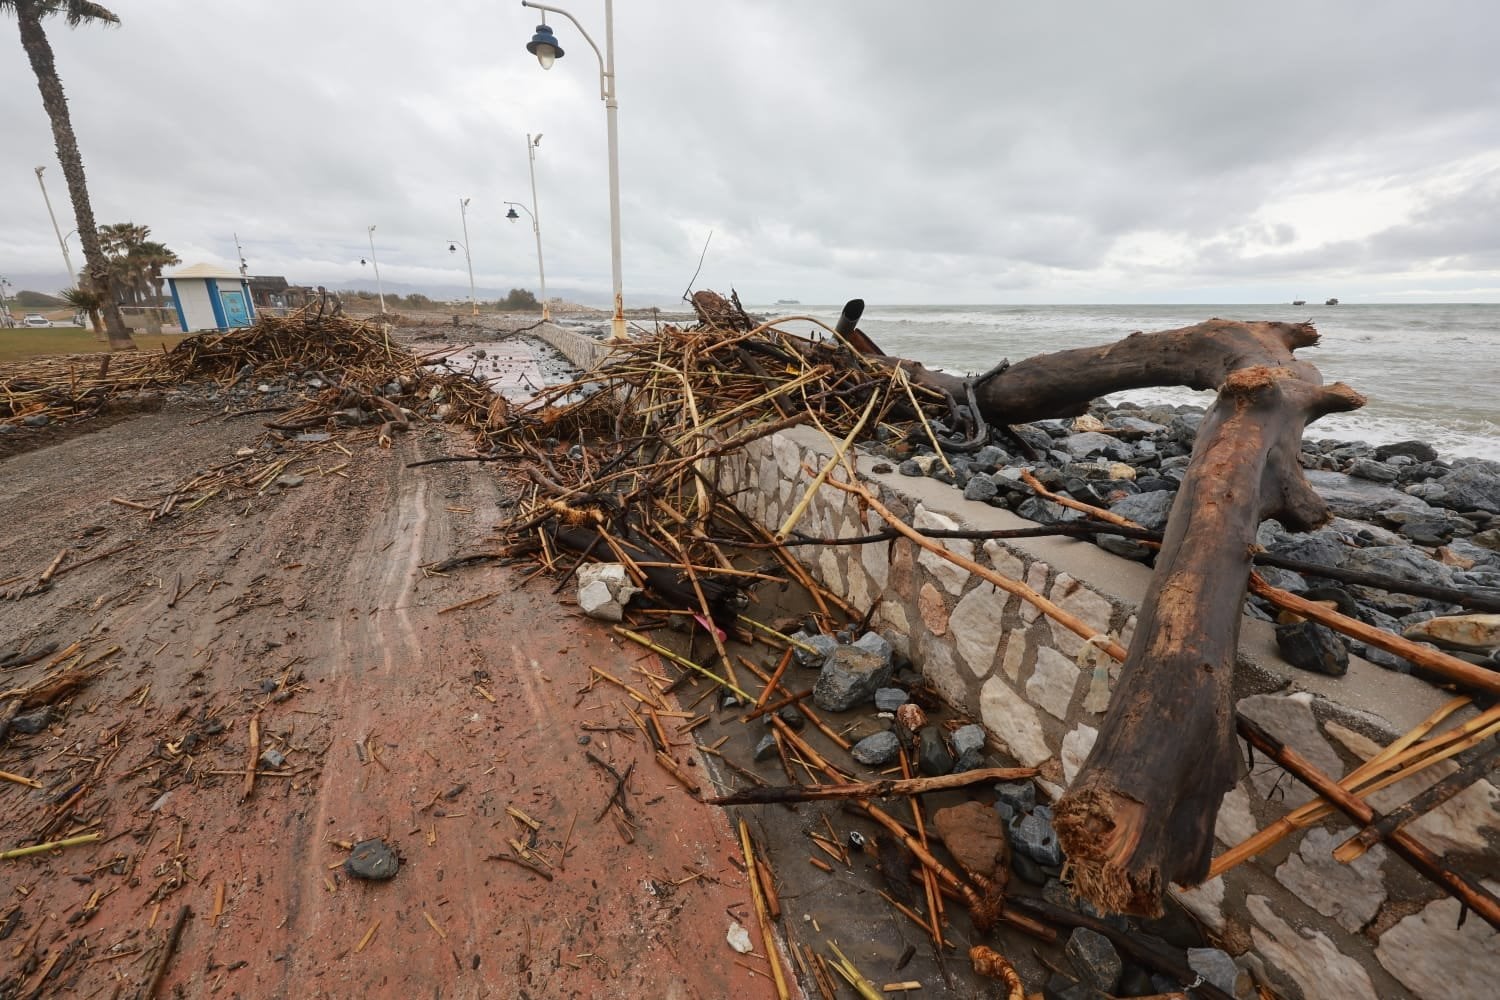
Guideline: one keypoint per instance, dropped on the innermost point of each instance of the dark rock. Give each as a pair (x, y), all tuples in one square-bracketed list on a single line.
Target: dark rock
[(1283, 578), (1155, 484), (1094, 959), (34, 721), (36, 420), (1126, 548), (289, 482), (1375, 472), (1489, 538), (969, 760), (1135, 982), (966, 738), (933, 758), (272, 758), (766, 748), (981, 488), (876, 750), (991, 456), (1419, 450), (890, 699), (910, 468), (1184, 428), (1019, 795), (1027, 869), (1033, 834), (1060, 987), (1089, 443), (1359, 499), (372, 859), (1149, 510), (1046, 512), (1428, 531), (850, 677), (874, 642), (1400, 561), (823, 644), (1215, 966), (793, 718), (1128, 427), (1472, 487), (1313, 647)]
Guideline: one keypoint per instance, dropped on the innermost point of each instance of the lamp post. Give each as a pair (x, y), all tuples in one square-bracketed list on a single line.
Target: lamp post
[(61, 241), (544, 46), (536, 225), (463, 212), (379, 289)]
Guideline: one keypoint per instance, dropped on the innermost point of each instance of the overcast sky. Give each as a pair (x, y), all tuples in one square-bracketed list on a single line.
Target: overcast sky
[(962, 152)]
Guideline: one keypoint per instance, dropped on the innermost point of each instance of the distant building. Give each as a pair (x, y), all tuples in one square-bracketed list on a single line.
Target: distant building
[(273, 292), (210, 298)]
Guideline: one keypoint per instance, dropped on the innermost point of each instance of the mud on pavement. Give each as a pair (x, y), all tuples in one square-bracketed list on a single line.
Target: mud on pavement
[(380, 708)]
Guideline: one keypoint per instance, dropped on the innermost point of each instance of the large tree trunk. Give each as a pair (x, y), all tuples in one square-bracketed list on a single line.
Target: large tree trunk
[(1141, 811), (39, 51)]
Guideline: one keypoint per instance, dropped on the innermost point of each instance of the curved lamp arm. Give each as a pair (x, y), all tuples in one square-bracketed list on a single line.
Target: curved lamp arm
[(605, 81)]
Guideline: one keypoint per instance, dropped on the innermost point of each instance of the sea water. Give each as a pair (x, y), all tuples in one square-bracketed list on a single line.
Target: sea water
[(1430, 372)]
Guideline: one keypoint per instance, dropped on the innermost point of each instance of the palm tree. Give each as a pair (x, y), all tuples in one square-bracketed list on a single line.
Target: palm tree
[(29, 16), (87, 301)]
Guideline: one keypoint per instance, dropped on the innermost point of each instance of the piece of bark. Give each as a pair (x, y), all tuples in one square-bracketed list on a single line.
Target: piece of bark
[(1141, 811)]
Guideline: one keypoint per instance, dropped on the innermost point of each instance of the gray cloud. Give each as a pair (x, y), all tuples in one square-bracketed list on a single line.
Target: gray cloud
[(969, 151)]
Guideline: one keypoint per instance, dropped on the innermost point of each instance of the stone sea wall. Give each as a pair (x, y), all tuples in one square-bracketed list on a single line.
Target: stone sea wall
[(1293, 917)]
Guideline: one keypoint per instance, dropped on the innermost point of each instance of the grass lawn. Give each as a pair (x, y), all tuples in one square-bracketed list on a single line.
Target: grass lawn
[(22, 343)]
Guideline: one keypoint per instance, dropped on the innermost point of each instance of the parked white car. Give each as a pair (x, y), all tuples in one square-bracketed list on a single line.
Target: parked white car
[(33, 319)]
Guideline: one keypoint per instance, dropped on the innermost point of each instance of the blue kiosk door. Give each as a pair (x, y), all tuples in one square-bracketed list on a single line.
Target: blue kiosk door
[(235, 312)]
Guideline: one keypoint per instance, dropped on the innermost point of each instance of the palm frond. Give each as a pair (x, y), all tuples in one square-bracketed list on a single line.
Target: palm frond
[(83, 12)]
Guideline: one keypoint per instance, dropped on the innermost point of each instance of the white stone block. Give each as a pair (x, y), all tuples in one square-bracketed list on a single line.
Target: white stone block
[(1076, 747), (1290, 719), (1349, 893), (939, 670), (1093, 608), (1053, 682), (1015, 656), (951, 577), (1438, 960), (975, 624), (1235, 823), (1308, 957), (1036, 579), (1014, 722), (603, 590), (1206, 902)]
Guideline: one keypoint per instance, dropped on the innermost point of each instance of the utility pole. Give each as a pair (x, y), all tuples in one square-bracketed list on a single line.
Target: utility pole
[(379, 288), (240, 252), (67, 260)]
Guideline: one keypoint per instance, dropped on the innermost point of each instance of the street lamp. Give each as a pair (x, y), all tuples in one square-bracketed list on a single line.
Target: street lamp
[(536, 225), (61, 240), (544, 46), (463, 211), (379, 289)]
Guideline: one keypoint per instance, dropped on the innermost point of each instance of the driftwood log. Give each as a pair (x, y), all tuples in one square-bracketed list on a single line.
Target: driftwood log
[(1141, 811)]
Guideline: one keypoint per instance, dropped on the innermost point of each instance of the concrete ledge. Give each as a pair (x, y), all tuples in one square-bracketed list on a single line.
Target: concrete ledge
[(1311, 926)]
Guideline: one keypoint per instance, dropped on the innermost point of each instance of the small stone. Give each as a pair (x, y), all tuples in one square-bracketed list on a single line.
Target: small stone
[(793, 718), (1060, 987), (874, 642), (890, 699), (1034, 834), (766, 748), (1375, 472), (1478, 633), (910, 468), (1019, 795), (1314, 647), (969, 760), (1419, 450), (1149, 510), (739, 938), (603, 591), (312, 437), (1094, 959), (850, 677), (33, 722), (289, 482), (585, 739), (1428, 531), (1027, 869), (372, 859), (981, 488), (822, 646), (36, 420), (975, 838), (966, 738), (933, 758), (876, 750), (1215, 966), (272, 759)]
